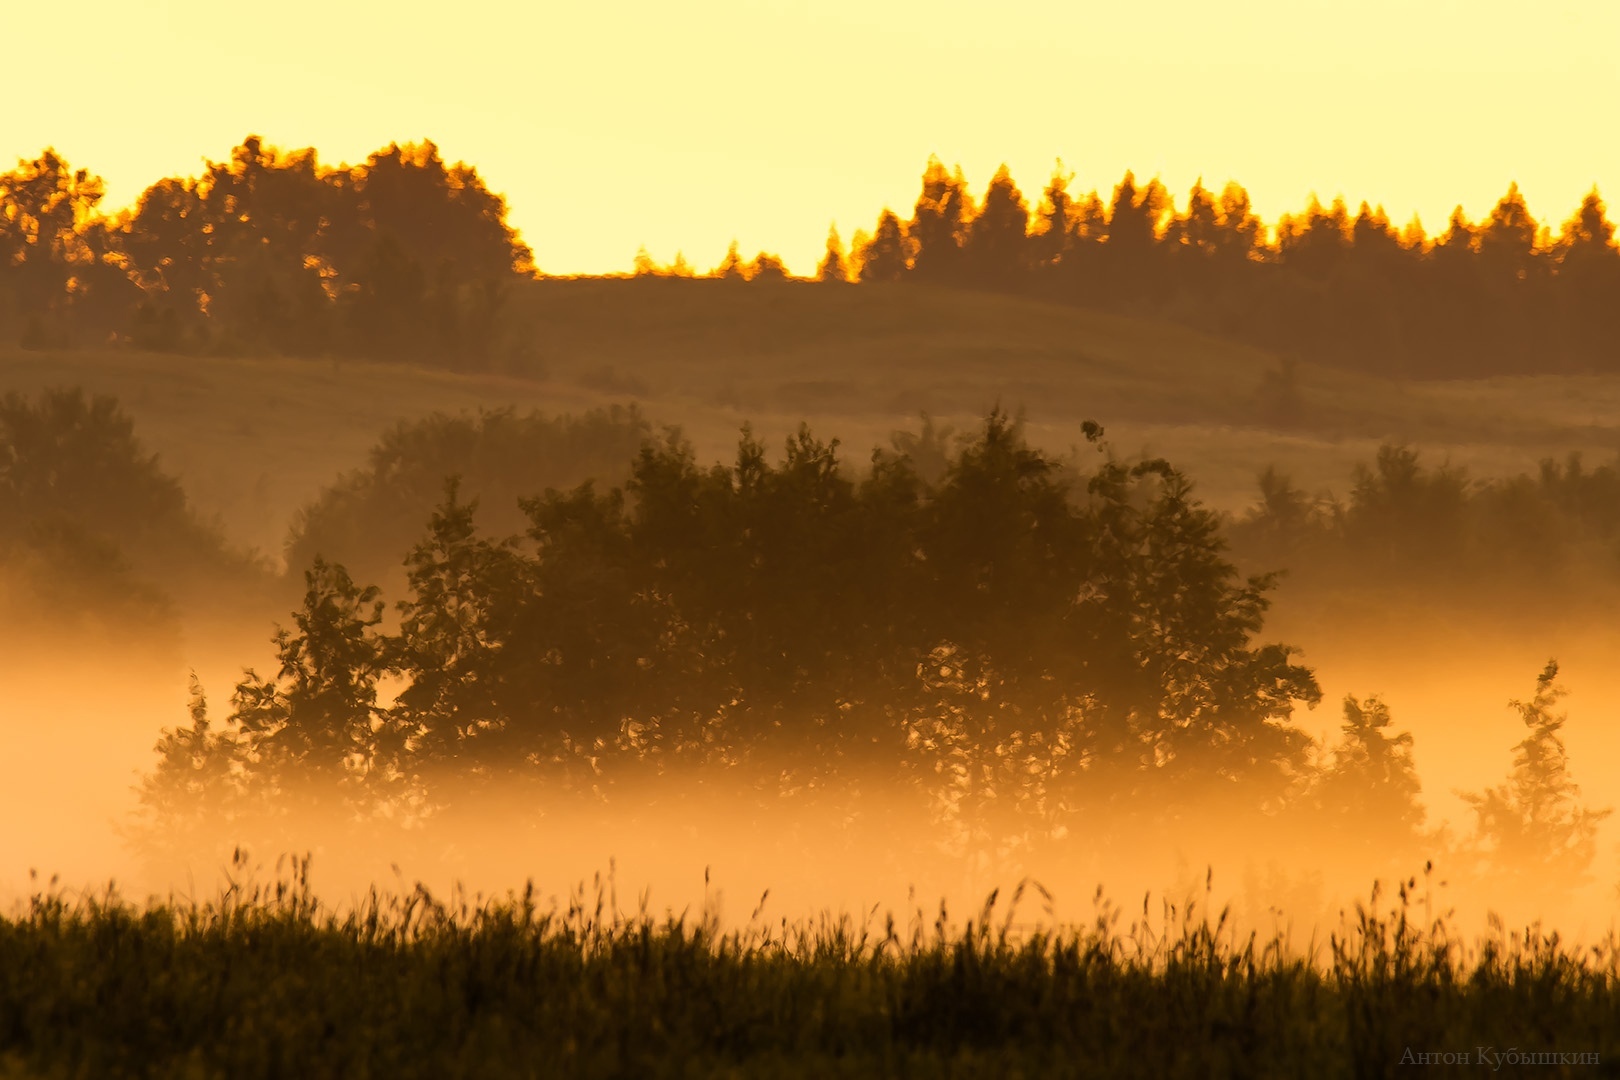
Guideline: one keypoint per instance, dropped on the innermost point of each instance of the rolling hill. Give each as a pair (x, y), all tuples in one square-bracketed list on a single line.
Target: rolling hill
[(254, 438)]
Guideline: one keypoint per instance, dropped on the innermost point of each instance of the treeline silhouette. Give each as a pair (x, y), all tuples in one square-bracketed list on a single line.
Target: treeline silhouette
[(1505, 294), (1402, 526), (401, 257), (1405, 524), (1502, 295), (93, 531), (407, 257), (1035, 651)]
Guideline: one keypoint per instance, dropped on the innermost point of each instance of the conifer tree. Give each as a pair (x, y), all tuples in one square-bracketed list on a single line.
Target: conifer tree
[(834, 264), (731, 268), (1056, 222), (1133, 231), (939, 224), (1193, 232), (1507, 242), (1589, 284), (997, 246), (886, 256), (1240, 232), (1317, 242)]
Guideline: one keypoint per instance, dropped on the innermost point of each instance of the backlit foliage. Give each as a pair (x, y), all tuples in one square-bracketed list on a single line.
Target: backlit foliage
[(403, 256), (1027, 642)]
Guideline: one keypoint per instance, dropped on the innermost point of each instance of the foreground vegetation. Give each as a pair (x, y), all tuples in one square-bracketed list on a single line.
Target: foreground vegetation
[(266, 981)]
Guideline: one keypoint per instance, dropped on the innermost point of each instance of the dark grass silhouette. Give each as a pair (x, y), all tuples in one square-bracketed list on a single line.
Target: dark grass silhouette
[(264, 980)]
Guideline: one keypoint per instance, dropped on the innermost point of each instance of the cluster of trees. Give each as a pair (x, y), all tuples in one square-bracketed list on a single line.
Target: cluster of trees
[(762, 267), (403, 256), (1506, 294), (369, 516), (1556, 534), (92, 530), (1035, 650), (795, 623)]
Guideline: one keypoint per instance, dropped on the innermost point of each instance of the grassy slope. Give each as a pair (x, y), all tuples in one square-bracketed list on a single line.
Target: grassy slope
[(254, 438), (890, 352)]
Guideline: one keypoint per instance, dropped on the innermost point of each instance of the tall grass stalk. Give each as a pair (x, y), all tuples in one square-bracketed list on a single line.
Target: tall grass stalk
[(266, 980)]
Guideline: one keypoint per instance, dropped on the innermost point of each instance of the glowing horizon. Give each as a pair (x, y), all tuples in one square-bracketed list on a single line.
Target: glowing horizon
[(609, 130)]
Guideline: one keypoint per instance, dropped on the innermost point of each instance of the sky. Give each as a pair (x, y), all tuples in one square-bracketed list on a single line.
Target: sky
[(621, 123)]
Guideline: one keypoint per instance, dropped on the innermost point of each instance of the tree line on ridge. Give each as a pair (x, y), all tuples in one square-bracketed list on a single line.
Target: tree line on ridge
[(407, 257), (1330, 284), (401, 257)]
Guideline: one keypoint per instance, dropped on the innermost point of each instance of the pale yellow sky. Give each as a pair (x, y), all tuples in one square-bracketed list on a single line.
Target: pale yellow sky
[(614, 124)]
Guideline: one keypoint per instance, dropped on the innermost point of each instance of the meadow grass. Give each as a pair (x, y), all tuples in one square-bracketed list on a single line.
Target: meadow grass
[(266, 981)]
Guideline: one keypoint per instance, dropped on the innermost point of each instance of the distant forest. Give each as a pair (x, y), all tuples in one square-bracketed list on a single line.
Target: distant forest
[(407, 257), (403, 257), (1330, 285)]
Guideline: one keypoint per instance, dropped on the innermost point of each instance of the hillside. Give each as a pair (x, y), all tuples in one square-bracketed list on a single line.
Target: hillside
[(255, 438)]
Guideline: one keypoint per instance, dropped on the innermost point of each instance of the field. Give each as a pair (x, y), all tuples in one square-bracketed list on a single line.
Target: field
[(254, 438), (264, 981)]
